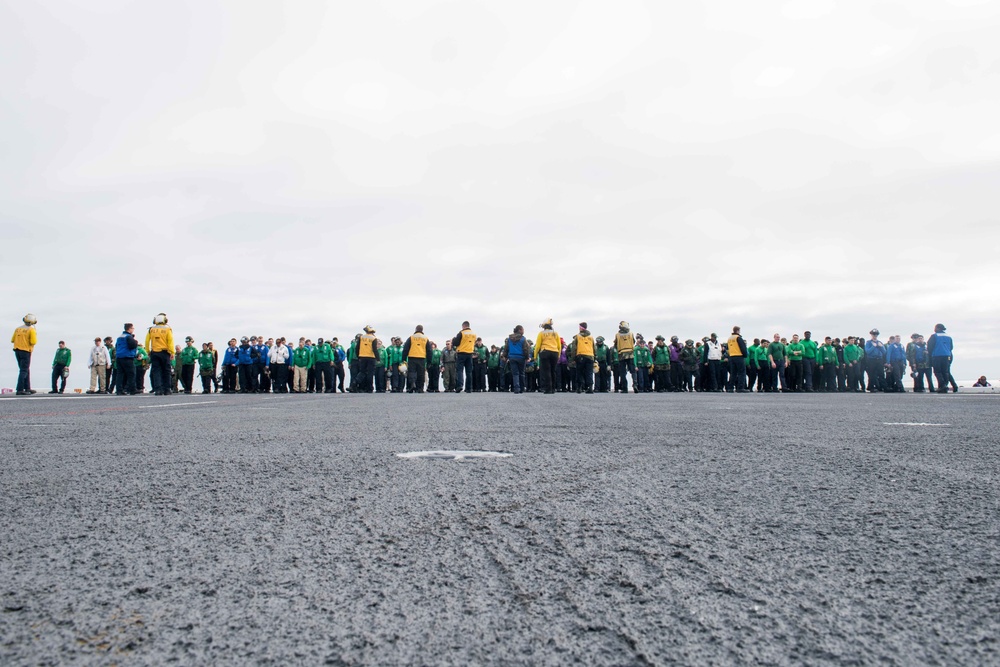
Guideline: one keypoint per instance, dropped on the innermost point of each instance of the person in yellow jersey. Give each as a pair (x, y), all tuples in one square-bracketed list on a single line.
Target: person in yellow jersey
[(416, 349), (548, 347), (625, 347), (24, 339), (367, 349), (583, 350), (160, 346), (464, 343), (737, 348)]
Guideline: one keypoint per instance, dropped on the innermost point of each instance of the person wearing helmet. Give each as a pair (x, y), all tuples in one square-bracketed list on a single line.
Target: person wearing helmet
[(548, 347), (464, 343), (625, 347), (160, 347), (24, 339), (583, 349), (415, 351), (367, 352), (941, 348)]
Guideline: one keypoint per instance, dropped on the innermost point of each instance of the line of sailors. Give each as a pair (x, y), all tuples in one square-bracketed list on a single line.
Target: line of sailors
[(585, 364)]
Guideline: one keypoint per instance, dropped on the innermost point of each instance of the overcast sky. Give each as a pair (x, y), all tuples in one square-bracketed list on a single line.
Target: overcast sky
[(306, 168)]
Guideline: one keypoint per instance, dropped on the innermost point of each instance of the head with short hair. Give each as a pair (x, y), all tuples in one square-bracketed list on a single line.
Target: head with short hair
[(419, 328)]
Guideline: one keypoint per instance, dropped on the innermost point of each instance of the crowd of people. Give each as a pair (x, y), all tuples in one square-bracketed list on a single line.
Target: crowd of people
[(549, 364)]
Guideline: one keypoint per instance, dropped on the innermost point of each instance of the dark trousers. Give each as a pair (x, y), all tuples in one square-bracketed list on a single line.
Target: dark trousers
[(206, 384), (898, 370), (876, 374), (764, 376), (778, 374), (603, 376), (229, 378), (737, 374), (140, 379), (279, 378), (518, 380), (918, 379), (855, 380), (259, 376), (434, 378), (714, 375), (248, 383), (23, 365), (395, 379), (366, 374), (547, 362), (355, 376), (662, 374), (187, 377), (125, 377), (493, 378), (480, 370), (324, 377), (415, 375), (794, 374), (642, 384), (57, 374), (380, 379), (463, 369), (808, 371), (585, 374), (829, 375), (751, 374), (338, 370), (942, 373), (159, 365), (626, 367)]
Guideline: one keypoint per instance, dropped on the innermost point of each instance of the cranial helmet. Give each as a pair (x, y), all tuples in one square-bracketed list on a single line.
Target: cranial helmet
[(623, 325), (29, 319), (600, 339), (161, 318)]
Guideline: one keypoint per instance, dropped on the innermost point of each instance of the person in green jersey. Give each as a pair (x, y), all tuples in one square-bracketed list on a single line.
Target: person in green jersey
[(60, 367)]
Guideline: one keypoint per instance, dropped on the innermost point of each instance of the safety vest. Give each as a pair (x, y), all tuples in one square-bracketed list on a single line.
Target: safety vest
[(24, 338), (366, 346), (548, 341), (734, 346), (418, 346), (160, 339), (624, 343), (468, 344), (585, 346)]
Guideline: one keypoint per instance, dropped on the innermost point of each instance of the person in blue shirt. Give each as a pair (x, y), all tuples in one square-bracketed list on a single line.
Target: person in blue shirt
[(125, 348), (230, 361), (875, 362), (245, 361), (941, 348), (895, 359)]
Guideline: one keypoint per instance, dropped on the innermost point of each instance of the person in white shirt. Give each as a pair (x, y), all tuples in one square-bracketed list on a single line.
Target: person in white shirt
[(98, 363), (278, 357)]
